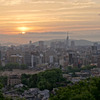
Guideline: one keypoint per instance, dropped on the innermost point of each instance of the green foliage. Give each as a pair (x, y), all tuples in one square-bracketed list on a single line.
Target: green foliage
[(44, 80), (3, 80), (23, 66), (12, 66), (1, 68), (71, 69), (20, 99), (84, 90), (20, 90), (1, 95)]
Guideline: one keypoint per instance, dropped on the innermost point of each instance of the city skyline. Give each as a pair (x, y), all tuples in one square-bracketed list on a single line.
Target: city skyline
[(41, 18)]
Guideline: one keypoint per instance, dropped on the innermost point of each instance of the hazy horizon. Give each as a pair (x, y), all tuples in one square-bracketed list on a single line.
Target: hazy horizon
[(45, 36)]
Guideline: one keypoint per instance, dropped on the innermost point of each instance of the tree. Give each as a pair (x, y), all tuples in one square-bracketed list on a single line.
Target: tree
[(48, 79), (84, 90)]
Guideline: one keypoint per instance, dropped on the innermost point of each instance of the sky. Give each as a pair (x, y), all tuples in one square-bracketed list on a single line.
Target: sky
[(24, 20)]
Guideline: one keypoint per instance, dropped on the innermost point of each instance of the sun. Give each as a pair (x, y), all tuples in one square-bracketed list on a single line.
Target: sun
[(23, 33)]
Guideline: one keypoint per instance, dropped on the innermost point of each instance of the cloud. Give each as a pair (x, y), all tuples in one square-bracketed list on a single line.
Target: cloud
[(54, 33), (64, 2), (48, 15), (83, 3), (10, 2), (15, 2)]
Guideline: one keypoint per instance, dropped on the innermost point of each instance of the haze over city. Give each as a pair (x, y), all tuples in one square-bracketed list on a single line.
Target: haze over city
[(24, 20), (49, 49)]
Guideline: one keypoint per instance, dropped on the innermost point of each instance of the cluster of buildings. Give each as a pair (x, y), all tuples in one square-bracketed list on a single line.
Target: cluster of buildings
[(82, 75), (13, 80), (18, 90), (30, 94), (57, 54)]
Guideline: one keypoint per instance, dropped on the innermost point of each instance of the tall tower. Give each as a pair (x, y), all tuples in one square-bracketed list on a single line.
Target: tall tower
[(67, 41)]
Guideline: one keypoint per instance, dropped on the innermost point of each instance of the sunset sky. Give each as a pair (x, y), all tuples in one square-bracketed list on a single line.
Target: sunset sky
[(79, 17)]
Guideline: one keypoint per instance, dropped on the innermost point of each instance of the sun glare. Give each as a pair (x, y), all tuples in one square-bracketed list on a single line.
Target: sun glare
[(23, 29), (23, 33)]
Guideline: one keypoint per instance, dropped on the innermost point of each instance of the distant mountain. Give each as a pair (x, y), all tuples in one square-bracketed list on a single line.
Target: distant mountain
[(77, 42), (83, 42)]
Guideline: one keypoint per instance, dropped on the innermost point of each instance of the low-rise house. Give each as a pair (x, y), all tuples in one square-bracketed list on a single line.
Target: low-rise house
[(95, 72), (14, 80)]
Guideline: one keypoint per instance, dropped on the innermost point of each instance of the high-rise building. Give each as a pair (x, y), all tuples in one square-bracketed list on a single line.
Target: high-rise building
[(30, 42), (96, 44), (41, 45), (67, 41), (51, 58), (34, 59), (27, 58), (17, 59), (94, 49), (70, 58), (98, 62), (72, 44)]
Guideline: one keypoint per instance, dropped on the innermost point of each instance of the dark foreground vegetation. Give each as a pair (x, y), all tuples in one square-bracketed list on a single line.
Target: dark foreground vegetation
[(45, 80), (12, 66), (84, 90), (88, 89)]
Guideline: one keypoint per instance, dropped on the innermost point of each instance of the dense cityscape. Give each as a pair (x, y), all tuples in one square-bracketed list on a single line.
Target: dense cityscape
[(23, 68), (58, 54)]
